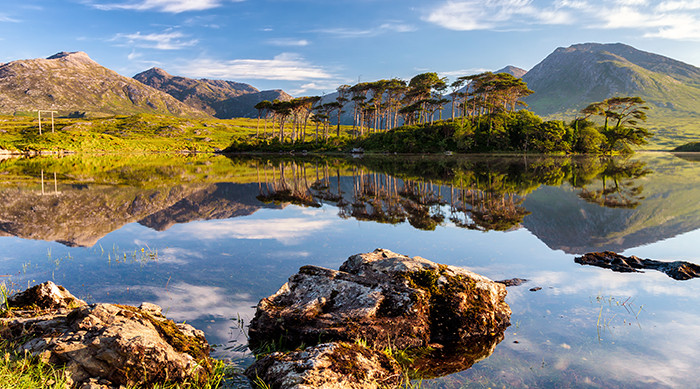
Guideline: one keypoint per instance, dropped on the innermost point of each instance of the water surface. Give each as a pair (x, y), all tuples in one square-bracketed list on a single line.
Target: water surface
[(206, 237)]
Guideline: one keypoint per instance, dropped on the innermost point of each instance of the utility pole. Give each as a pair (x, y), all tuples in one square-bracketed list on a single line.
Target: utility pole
[(39, 111)]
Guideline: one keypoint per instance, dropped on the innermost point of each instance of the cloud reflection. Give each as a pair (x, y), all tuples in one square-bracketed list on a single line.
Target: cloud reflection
[(285, 231)]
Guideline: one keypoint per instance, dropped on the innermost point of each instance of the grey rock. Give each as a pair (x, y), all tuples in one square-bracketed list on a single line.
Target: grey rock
[(385, 299), (106, 345), (45, 296), (329, 366)]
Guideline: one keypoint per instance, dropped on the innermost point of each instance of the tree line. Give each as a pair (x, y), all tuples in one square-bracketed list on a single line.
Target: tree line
[(485, 115)]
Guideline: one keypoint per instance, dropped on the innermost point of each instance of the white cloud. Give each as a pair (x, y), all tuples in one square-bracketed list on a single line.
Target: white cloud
[(493, 14), (370, 32), (288, 42), (325, 87), (666, 6), (675, 19), (285, 66), (171, 6), (169, 40)]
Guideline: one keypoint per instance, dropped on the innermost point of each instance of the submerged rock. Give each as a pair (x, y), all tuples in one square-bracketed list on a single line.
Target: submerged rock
[(678, 270), (335, 365), (106, 344), (388, 300), (513, 281)]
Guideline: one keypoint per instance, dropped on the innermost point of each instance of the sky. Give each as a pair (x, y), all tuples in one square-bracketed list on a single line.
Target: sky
[(310, 47)]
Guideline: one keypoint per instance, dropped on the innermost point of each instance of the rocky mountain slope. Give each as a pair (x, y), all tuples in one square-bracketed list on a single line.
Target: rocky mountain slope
[(223, 99), (572, 77), (243, 106), (73, 82)]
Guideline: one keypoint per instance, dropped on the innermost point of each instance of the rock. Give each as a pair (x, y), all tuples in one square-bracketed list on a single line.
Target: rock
[(678, 270), (536, 289), (107, 345), (45, 296), (512, 282), (335, 365), (388, 300)]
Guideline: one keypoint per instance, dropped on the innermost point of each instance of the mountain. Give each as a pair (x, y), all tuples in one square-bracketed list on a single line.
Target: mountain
[(243, 106), (513, 71), (72, 82), (571, 78), (222, 99), (200, 94)]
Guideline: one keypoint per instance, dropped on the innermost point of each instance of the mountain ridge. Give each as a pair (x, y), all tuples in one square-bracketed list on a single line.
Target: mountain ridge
[(220, 98), (570, 78), (73, 82)]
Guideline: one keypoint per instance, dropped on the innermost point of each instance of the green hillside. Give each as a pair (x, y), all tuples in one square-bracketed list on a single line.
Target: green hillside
[(570, 78)]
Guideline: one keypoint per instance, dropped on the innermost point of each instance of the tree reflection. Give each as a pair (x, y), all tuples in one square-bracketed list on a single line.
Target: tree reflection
[(619, 187), (484, 194)]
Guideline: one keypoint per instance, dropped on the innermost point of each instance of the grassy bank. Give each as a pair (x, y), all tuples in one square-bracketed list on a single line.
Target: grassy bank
[(143, 132)]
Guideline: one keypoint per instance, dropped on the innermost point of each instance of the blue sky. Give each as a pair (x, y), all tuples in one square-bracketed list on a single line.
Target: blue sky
[(312, 46)]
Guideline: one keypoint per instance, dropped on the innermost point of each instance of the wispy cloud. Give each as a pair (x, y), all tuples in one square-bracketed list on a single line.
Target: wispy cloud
[(369, 32), (288, 42), (677, 19), (7, 19), (170, 6), (286, 66), (169, 40)]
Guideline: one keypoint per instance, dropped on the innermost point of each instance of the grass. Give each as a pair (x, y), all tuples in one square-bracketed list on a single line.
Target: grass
[(136, 133), (22, 370), (19, 370)]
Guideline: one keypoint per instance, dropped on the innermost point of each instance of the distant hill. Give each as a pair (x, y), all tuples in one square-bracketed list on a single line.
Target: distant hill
[(222, 99), (72, 82), (200, 94), (570, 78), (513, 71), (243, 106)]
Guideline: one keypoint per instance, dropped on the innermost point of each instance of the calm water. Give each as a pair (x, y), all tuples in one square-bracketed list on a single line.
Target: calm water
[(206, 237)]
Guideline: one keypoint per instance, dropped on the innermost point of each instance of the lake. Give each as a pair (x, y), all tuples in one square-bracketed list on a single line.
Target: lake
[(206, 237)]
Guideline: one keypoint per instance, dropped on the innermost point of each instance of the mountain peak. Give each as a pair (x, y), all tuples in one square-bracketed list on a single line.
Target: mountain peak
[(79, 56), (71, 81), (572, 77), (154, 71), (513, 71)]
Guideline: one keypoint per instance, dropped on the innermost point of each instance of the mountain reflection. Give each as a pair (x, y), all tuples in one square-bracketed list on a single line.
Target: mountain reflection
[(577, 204)]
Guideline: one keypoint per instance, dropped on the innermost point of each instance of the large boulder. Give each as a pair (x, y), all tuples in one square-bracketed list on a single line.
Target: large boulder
[(385, 299), (443, 318), (106, 343), (335, 365)]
